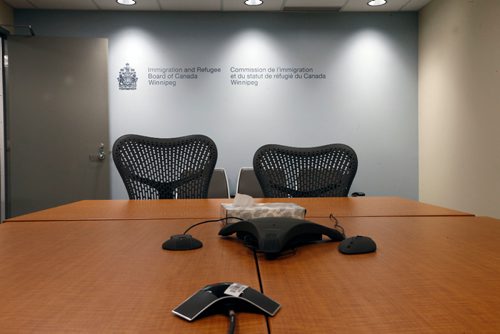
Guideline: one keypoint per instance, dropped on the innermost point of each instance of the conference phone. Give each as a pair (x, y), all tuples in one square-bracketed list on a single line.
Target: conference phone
[(223, 297), (272, 235)]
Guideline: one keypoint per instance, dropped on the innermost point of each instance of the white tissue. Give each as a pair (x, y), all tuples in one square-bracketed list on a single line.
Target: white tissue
[(243, 201), (244, 207)]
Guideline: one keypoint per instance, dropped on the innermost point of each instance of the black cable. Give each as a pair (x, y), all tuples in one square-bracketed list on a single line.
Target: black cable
[(337, 225), (261, 287), (210, 221), (232, 322)]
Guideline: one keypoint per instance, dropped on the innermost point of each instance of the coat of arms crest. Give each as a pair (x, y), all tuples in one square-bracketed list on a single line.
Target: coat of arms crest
[(127, 79)]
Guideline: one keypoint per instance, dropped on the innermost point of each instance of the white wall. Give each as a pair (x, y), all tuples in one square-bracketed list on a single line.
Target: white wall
[(365, 96), (459, 105)]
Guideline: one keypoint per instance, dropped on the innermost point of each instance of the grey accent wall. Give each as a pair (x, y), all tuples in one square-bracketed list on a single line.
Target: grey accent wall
[(360, 87)]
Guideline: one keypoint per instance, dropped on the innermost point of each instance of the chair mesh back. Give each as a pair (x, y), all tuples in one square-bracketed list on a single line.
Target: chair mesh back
[(325, 171), (156, 168)]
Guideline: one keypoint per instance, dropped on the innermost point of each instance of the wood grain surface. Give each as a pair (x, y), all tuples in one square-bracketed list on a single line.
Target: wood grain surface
[(114, 277), (211, 208), (428, 275)]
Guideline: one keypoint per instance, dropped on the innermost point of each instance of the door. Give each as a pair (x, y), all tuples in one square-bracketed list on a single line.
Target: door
[(57, 122)]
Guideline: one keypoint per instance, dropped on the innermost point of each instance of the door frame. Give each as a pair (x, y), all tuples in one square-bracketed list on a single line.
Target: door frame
[(3, 104)]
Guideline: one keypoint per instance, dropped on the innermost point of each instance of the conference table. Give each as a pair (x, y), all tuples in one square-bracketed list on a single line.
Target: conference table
[(428, 275), (369, 206), (113, 277), (82, 268)]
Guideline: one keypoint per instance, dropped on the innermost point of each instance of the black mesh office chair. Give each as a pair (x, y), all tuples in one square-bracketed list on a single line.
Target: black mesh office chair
[(324, 171), (165, 168)]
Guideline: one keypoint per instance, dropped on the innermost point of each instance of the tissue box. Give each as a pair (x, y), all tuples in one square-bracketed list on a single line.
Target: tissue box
[(262, 210)]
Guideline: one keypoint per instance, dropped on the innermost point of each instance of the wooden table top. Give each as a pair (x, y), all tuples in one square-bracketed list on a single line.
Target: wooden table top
[(114, 277), (211, 208), (429, 275)]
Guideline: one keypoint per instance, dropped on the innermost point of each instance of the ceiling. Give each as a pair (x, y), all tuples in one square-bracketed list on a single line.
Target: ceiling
[(222, 5)]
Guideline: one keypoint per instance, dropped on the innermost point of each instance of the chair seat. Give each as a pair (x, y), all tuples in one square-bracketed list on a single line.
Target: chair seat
[(248, 184), (219, 186)]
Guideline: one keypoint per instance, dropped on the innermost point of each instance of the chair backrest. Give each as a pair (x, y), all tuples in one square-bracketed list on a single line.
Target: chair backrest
[(324, 171), (164, 168), (248, 183), (219, 186)]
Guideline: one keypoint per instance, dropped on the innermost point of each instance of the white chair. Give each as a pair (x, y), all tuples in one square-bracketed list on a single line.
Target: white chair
[(248, 183), (219, 185)]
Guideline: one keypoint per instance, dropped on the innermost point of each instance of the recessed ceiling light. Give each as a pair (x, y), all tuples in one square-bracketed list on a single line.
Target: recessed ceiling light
[(126, 2), (374, 3), (253, 2)]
